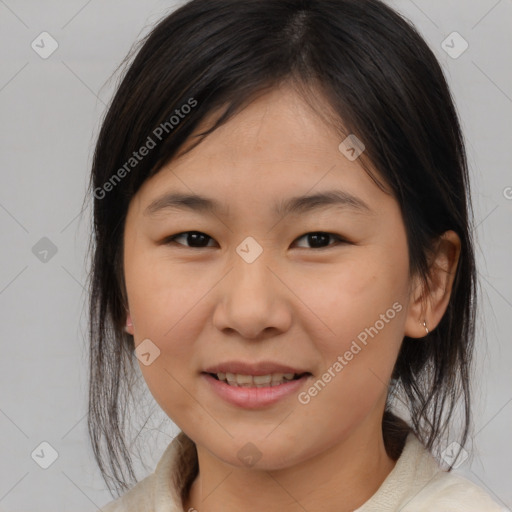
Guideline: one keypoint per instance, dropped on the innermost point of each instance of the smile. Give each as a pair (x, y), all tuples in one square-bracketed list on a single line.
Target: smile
[(244, 391), (258, 381)]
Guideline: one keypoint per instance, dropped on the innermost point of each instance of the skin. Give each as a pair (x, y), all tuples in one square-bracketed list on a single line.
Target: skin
[(295, 304)]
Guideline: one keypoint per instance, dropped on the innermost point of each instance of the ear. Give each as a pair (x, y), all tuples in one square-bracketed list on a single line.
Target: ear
[(129, 324), (428, 303)]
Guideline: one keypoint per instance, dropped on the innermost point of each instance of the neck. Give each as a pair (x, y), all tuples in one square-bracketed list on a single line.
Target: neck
[(341, 478)]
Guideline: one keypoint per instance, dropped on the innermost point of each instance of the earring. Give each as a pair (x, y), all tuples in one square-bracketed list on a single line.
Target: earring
[(425, 325)]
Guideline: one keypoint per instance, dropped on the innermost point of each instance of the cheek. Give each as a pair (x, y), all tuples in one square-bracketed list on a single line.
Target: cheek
[(159, 296), (363, 305), (353, 295), (168, 308), (358, 359)]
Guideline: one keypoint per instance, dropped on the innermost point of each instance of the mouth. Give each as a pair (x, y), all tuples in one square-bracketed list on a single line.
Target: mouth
[(255, 387), (256, 381)]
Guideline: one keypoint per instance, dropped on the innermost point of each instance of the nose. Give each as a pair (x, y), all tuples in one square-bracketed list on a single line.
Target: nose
[(253, 301)]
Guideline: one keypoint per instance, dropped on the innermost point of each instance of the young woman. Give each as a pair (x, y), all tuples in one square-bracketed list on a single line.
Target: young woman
[(282, 245)]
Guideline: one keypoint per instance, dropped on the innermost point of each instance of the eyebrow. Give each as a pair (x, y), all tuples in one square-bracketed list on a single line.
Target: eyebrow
[(295, 205)]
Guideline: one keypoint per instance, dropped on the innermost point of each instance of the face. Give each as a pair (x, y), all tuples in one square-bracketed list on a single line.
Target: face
[(320, 292)]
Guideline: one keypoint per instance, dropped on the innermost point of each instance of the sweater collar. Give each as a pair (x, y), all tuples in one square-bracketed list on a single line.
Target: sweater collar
[(415, 465)]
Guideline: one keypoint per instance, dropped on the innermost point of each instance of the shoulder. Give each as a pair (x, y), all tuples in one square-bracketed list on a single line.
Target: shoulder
[(161, 489), (139, 498), (437, 489), (453, 493), (418, 484)]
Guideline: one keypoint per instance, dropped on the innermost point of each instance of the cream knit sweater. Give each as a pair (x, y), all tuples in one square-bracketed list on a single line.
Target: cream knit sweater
[(416, 484)]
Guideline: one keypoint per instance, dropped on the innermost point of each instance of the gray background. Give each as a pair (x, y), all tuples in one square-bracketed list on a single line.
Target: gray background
[(50, 110)]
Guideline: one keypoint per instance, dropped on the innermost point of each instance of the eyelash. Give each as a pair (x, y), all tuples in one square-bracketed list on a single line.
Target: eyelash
[(340, 240)]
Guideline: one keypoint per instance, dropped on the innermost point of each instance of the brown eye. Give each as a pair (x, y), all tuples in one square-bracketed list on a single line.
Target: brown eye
[(320, 239), (195, 239), (199, 240)]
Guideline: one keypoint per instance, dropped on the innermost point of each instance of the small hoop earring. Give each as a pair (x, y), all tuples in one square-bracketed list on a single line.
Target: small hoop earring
[(425, 325)]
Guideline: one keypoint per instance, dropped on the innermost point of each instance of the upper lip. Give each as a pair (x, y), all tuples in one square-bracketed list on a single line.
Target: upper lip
[(260, 368)]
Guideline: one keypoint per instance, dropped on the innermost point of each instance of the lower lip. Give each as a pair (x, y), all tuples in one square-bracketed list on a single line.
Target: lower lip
[(254, 398)]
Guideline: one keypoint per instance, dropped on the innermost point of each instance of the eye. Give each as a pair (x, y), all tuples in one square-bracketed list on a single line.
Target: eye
[(195, 238), (198, 240), (318, 239)]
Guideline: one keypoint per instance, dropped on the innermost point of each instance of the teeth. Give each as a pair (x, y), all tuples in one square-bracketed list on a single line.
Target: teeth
[(262, 379), (258, 381)]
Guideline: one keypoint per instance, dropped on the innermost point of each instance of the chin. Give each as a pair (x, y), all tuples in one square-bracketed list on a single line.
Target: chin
[(258, 452)]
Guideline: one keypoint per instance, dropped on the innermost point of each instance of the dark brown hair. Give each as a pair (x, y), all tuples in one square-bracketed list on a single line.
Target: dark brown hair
[(374, 71)]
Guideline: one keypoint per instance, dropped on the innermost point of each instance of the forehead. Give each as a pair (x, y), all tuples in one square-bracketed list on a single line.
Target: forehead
[(278, 123), (277, 150)]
